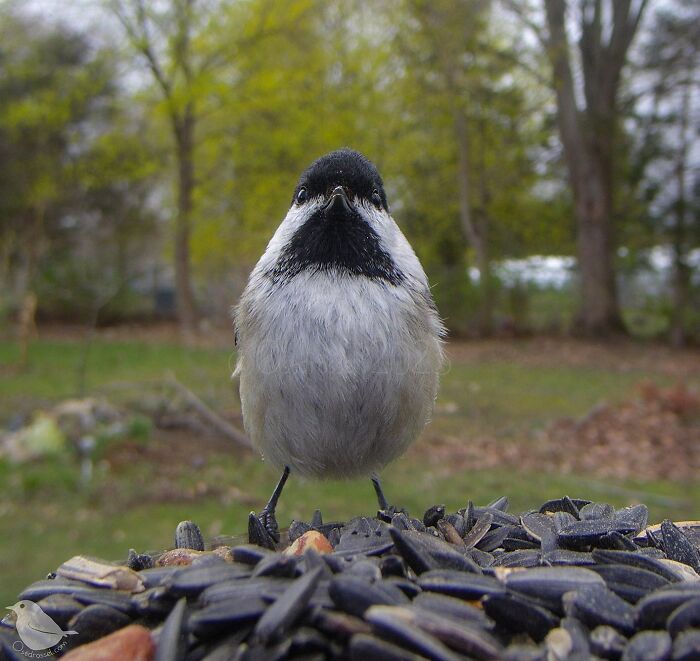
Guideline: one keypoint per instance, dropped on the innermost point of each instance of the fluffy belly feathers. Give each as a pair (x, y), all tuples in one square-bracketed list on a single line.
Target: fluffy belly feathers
[(338, 387)]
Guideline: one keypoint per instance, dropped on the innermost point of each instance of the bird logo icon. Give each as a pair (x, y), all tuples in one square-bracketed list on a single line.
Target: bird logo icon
[(36, 629)]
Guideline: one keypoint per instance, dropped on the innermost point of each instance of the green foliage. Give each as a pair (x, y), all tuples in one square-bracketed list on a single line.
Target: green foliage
[(319, 78), (72, 169), (88, 165), (298, 88), (455, 297)]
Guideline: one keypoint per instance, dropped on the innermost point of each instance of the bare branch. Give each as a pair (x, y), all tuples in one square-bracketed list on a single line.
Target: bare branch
[(511, 58), (517, 7), (139, 34), (209, 415), (563, 80), (181, 51)]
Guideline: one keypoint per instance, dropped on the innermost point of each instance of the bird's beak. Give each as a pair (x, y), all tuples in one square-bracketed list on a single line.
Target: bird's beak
[(10, 618), (338, 201)]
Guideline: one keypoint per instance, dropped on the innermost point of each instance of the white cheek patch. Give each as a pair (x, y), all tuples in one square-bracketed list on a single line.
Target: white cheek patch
[(295, 218), (395, 244)]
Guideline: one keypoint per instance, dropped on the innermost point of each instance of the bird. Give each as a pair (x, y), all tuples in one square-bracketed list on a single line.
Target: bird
[(339, 341), (36, 629)]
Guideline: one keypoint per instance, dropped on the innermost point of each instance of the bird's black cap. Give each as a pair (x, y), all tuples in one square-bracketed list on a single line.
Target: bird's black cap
[(337, 238), (344, 167)]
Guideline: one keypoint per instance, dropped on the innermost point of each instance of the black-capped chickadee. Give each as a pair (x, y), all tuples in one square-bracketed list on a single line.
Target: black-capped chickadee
[(339, 342)]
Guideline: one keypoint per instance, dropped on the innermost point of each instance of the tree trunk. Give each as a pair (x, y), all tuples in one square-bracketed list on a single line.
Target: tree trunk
[(486, 289), (184, 126), (681, 270), (681, 286), (476, 236), (588, 137), (599, 311)]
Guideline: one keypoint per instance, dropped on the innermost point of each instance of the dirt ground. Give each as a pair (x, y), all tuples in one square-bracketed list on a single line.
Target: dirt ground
[(652, 434), (655, 435)]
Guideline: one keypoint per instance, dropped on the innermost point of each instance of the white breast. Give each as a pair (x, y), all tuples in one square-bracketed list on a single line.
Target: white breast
[(338, 374)]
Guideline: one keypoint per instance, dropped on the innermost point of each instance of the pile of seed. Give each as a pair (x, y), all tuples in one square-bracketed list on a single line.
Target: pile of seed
[(572, 580)]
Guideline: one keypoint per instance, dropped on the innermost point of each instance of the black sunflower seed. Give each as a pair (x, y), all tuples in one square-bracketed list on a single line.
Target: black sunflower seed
[(277, 564), (454, 608), (189, 536), (460, 584), (478, 530), (606, 642), (616, 557), (60, 608), (250, 554), (192, 580), (354, 595), (583, 534), (549, 584), (652, 611), (519, 558), (172, 641), (598, 605), (518, 614), (433, 515), (686, 616), (364, 537), (364, 647), (297, 529), (631, 520), (648, 646), (423, 552), (567, 557), (678, 547), (565, 504), (686, 646), (96, 621), (494, 538), (226, 616), (630, 583), (288, 607), (596, 511), (390, 623)]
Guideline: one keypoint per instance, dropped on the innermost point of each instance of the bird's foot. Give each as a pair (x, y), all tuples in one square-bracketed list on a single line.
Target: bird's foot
[(263, 529), (388, 512), (268, 520)]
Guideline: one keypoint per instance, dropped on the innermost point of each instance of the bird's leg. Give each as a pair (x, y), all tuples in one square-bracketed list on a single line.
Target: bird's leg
[(386, 511), (381, 498), (267, 516)]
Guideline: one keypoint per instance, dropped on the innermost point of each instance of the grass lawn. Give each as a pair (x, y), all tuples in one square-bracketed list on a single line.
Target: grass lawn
[(141, 490)]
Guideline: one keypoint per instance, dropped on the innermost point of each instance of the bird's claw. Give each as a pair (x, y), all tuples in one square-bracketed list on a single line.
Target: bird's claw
[(389, 512), (263, 529), (269, 522)]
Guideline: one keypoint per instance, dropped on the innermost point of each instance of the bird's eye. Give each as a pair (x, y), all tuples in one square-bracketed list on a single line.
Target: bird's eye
[(376, 198), (21, 605), (302, 196)]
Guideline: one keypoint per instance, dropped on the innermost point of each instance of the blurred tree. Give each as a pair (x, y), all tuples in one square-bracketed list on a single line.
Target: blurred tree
[(451, 33), (304, 77), (116, 205), (671, 64), (588, 134), (165, 35), (52, 82), (462, 96)]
